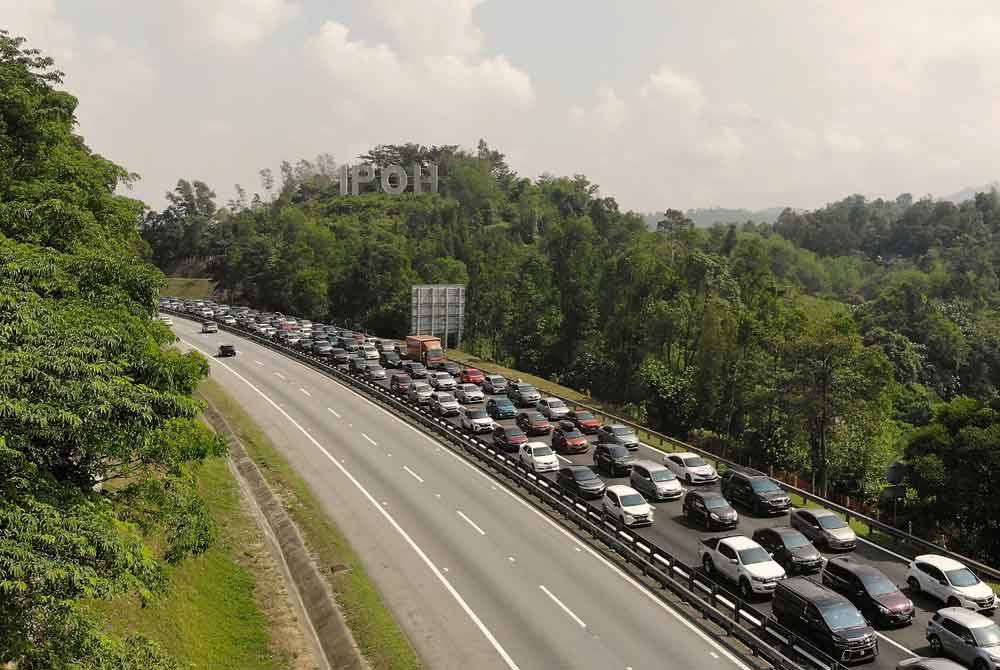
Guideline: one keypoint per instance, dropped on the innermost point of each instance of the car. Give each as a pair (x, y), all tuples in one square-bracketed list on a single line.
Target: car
[(415, 369), (869, 589), (441, 381), (508, 438), (501, 408), (443, 403), (165, 320), (790, 548), (709, 509), (467, 393), (523, 395), (386, 346), (533, 423), (226, 350), (400, 383), (627, 505), (691, 468), (824, 528), (493, 384), (228, 320), (742, 561), (584, 420), (567, 439), (616, 433), (538, 456), (391, 359), (552, 408), (825, 618), (451, 367), (339, 355), (951, 582), (967, 637), (357, 363), (476, 420), (921, 663), (322, 349), (472, 376), (614, 459), (756, 491), (370, 352), (581, 480), (655, 481), (209, 327), (374, 372), (419, 393)]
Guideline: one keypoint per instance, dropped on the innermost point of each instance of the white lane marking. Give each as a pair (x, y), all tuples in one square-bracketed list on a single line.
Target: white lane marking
[(895, 644), (713, 654), (563, 607), (369, 439), (470, 522), (564, 459), (511, 559), (414, 474), (333, 412), (258, 362), (308, 394), (279, 375), (388, 517)]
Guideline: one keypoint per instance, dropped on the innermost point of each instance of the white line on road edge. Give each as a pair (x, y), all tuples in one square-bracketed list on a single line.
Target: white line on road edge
[(563, 607), (333, 412), (471, 522), (277, 374), (258, 363), (414, 474), (388, 517), (369, 439), (306, 392)]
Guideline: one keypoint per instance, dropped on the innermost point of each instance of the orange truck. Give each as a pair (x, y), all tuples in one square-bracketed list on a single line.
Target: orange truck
[(424, 348)]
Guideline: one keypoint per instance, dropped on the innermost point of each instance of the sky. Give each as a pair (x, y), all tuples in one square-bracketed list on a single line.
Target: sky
[(740, 103)]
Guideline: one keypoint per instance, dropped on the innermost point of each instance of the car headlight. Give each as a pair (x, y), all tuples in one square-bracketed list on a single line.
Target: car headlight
[(714, 516), (627, 516), (883, 610), (759, 579)]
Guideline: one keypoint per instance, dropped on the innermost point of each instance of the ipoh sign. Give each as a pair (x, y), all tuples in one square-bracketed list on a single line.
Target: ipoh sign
[(391, 179)]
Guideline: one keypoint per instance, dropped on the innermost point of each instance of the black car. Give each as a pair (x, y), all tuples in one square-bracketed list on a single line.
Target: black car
[(227, 350), (790, 548), (500, 408), (870, 590), (357, 363), (338, 355), (522, 394), (415, 369), (825, 618), (390, 359), (755, 491), (710, 509), (614, 459), (451, 367), (581, 480)]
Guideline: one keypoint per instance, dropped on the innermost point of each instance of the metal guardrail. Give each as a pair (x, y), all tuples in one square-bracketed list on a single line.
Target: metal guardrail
[(918, 543), (766, 639)]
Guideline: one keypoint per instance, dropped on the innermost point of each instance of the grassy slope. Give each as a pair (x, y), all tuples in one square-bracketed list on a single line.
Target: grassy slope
[(383, 643), (210, 617), (186, 287)]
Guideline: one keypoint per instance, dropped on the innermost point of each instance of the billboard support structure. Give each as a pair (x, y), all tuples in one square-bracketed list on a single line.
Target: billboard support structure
[(438, 310)]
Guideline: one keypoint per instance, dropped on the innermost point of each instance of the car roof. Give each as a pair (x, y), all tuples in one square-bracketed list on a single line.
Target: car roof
[(739, 542), (966, 617), (854, 566), (809, 589), (616, 425), (707, 494), (621, 489), (551, 398), (535, 445), (684, 454), (821, 512), (576, 467), (650, 465), (784, 530), (938, 561)]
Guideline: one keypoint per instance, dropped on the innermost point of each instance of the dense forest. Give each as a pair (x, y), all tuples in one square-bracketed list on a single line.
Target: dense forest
[(98, 428), (830, 343)]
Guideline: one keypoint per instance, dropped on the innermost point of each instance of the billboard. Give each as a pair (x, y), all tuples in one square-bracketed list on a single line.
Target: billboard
[(438, 310)]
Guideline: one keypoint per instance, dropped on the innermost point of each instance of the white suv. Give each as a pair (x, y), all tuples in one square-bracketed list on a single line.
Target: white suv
[(539, 457), (628, 505), (950, 582)]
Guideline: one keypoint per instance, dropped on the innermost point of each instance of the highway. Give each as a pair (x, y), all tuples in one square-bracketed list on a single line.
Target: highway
[(476, 576)]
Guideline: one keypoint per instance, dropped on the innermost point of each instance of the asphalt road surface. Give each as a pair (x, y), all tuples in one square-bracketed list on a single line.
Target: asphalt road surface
[(476, 576)]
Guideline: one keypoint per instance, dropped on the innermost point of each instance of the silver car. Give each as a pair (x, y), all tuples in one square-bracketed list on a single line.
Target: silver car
[(444, 404), (466, 393), (419, 393), (655, 481), (968, 637), (823, 528)]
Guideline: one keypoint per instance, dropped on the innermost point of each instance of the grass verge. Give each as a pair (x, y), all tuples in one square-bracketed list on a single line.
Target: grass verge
[(212, 616), (376, 631), (188, 287)]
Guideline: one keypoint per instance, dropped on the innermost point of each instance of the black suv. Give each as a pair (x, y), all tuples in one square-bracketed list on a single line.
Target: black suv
[(710, 509), (614, 459), (867, 587), (415, 369), (825, 618), (755, 491), (390, 359), (790, 549)]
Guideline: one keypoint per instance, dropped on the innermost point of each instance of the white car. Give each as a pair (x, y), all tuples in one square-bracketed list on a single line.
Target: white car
[(539, 457), (476, 420), (553, 408), (441, 381), (370, 352), (692, 468), (467, 393), (628, 505), (228, 320), (742, 561), (950, 582)]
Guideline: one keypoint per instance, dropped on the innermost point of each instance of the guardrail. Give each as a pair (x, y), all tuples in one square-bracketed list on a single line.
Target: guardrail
[(919, 544), (766, 639)]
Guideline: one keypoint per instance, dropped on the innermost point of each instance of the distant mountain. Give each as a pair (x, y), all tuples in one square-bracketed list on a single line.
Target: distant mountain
[(704, 218), (970, 193)]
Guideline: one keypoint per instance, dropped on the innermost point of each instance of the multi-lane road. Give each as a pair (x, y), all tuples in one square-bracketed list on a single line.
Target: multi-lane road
[(476, 576)]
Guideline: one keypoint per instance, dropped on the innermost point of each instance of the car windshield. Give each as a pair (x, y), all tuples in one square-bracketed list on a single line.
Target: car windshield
[(621, 430), (878, 584), (584, 475), (764, 485), (536, 418), (632, 500), (617, 451), (584, 416), (831, 521), (962, 577), (446, 397), (468, 388), (694, 461), (512, 431), (421, 387), (754, 555), (417, 366), (843, 616), (402, 379), (503, 403), (987, 636), (524, 388), (476, 413), (795, 540), (556, 403), (571, 433), (662, 475), (541, 451), (716, 503), (495, 379)]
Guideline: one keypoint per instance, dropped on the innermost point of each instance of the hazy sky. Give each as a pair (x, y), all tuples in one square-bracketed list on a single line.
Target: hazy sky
[(663, 104)]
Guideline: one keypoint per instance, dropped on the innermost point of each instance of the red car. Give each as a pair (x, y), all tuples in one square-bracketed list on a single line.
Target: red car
[(508, 438), (585, 421), (567, 439), (473, 376), (533, 423)]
